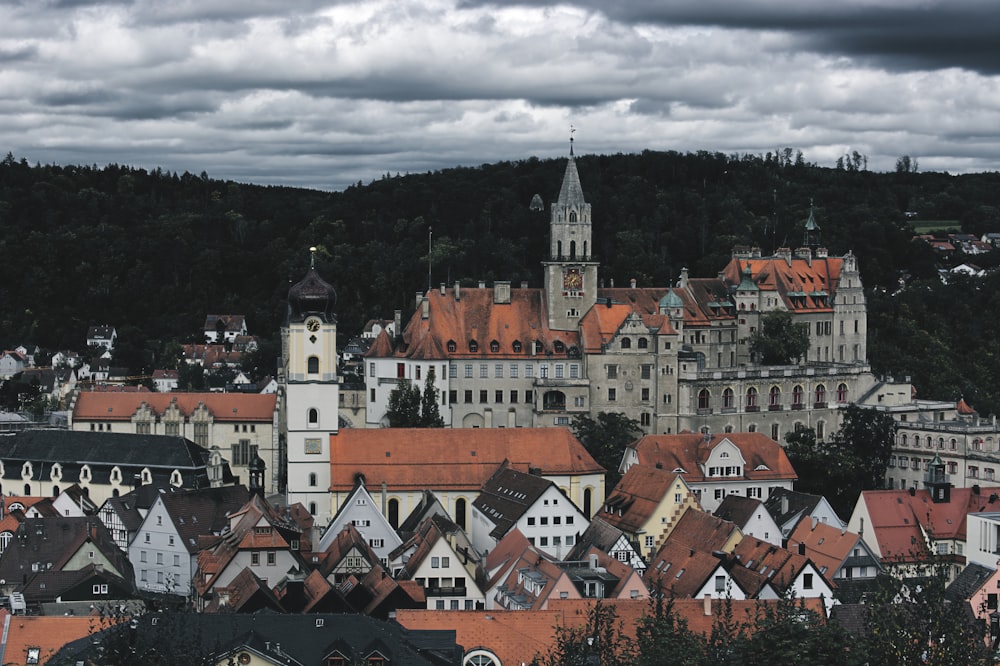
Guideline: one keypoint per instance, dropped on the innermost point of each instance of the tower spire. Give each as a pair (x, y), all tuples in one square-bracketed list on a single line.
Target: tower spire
[(571, 131)]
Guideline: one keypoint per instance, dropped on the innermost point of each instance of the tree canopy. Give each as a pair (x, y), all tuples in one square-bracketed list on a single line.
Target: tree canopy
[(779, 340), (605, 438)]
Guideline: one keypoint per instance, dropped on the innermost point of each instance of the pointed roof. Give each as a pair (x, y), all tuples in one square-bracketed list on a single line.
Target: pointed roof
[(571, 192), (637, 496), (963, 408), (507, 495)]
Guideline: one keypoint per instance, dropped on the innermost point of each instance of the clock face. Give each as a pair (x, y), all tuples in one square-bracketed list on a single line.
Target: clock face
[(312, 324), (573, 280)]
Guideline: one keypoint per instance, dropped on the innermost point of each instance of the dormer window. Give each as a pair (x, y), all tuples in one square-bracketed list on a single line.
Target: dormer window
[(494, 346), (559, 347), (516, 346), (626, 343), (473, 346), (452, 347)]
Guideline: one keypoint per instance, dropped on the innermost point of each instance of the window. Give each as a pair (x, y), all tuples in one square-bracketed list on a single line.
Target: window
[(751, 399), (468, 396), (498, 396), (483, 396), (255, 559), (494, 346), (313, 417), (728, 399), (312, 479), (473, 346), (704, 399), (774, 397), (313, 365), (807, 581), (612, 371), (842, 393), (645, 419), (516, 346), (720, 583), (612, 395), (498, 370), (820, 394), (650, 541), (797, 398), (452, 347), (272, 558), (468, 370), (626, 343), (560, 370), (484, 371)]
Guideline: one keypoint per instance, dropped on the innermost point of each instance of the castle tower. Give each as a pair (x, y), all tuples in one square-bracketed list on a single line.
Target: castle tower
[(311, 391), (811, 236), (570, 272)]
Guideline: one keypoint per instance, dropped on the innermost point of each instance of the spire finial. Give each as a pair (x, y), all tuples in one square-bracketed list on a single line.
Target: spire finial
[(312, 258), (571, 131)]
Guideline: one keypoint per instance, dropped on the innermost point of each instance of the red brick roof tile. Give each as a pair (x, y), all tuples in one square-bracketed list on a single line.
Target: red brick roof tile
[(242, 407)]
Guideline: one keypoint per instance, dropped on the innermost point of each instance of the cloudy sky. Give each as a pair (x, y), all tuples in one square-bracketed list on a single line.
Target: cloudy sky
[(322, 93)]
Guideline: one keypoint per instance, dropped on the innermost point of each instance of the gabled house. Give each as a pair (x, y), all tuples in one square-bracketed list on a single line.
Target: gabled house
[(703, 531), (361, 511), (766, 571), (428, 506), (35, 639), (123, 515), (841, 556), (73, 501), (751, 516), (165, 381), (441, 559), (91, 584), (788, 507), (246, 593), (532, 581), (11, 363), (12, 514), (979, 587), (681, 571), (259, 537), (224, 328), (609, 539), (599, 576), (347, 554), (743, 463), (645, 505), (165, 547), (534, 505), (103, 336), (378, 594), (60, 544)]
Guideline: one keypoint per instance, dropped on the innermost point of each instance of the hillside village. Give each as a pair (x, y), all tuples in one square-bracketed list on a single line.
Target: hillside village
[(284, 507)]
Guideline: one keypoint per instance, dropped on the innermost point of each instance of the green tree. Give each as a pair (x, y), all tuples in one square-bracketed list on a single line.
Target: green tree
[(404, 406), (779, 340), (911, 621), (430, 414), (869, 434), (606, 438), (664, 632), (825, 468), (600, 641)]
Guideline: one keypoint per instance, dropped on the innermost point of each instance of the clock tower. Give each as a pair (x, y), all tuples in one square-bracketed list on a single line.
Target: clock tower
[(311, 391), (570, 272)]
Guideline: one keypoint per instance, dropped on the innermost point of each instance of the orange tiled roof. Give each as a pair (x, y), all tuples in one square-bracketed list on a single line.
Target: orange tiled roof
[(450, 458), (826, 546), (778, 566), (702, 531), (240, 407), (689, 451), (47, 633), (816, 279), (680, 570)]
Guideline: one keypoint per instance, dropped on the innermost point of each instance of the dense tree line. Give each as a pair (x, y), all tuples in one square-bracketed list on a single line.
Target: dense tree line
[(153, 252)]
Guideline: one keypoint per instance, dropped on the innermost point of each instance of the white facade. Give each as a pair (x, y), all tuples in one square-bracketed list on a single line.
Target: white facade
[(161, 561), (449, 584), (361, 510), (551, 524), (982, 538)]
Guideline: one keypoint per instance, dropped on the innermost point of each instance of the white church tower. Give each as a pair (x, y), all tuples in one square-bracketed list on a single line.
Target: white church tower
[(312, 391), (570, 272)]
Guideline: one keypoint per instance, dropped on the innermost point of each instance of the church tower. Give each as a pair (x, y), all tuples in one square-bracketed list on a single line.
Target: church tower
[(570, 272), (311, 391)]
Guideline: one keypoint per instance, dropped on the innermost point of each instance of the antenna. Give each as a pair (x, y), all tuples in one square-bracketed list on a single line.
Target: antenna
[(430, 234), (312, 258)]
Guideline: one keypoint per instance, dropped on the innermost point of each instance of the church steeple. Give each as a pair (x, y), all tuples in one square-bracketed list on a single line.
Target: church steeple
[(570, 272), (811, 237)]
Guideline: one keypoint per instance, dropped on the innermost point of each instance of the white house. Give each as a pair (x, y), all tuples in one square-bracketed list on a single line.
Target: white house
[(441, 558), (365, 514)]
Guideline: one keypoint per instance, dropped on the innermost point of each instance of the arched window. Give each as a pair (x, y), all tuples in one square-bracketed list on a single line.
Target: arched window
[(820, 430), (842, 393), (313, 417), (452, 347), (394, 513), (312, 508), (751, 398), (587, 498), (27, 489), (558, 248), (572, 216), (643, 343), (930, 442), (626, 343), (940, 442), (752, 427), (774, 431), (516, 346), (494, 346), (481, 658), (797, 396), (728, 399), (313, 365), (559, 347), (774, 397), (704, 399), (312, 479), (114, 492), (820, 394), (572, 243), (55, 491), (460, 512), (904, 440), (473, 346)]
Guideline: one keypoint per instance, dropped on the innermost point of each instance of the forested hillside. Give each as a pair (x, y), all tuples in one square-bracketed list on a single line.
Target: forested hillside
[(153, 252)]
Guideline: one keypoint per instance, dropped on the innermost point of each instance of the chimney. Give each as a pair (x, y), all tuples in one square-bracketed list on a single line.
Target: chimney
[(821, 253), (802, 548), (784, 253), (425, 308), (612, 281), (707, 608), (442, 288), (482, 284), (592, 561), (632, 283), (397, 323), (815, 521), (458, 291), (419, 298), (524, 284), (684, 278), (784, 504)]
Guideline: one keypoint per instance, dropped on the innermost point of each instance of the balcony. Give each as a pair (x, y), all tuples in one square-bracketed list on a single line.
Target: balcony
[(445, 591), (752, 408), (775, 408)]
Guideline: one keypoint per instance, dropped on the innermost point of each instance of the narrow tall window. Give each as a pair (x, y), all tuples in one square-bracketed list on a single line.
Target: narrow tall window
[(313, 365)]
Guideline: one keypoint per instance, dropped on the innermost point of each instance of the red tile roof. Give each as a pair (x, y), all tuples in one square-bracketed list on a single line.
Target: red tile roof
[(242, 407), (765, 458), (825, 545), (450, 458), (636, 497), (48, 634), (816, 279)]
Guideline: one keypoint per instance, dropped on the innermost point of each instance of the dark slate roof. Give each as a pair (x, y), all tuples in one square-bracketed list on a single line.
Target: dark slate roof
[(599, 534), (161, 454), (803, 503), (968, 582), (132, 506), (853, 618), (202, 512), (429, 505), (737, 509), (41, 544), (507, 495), (303, 639)]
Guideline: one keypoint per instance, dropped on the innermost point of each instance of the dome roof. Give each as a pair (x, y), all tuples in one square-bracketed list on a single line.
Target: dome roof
[(312, 295), (671, 300)]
